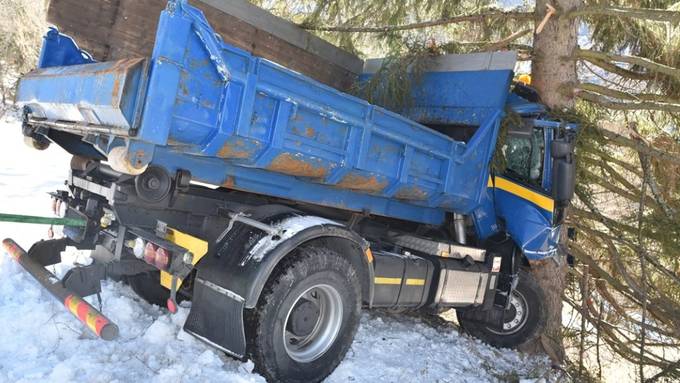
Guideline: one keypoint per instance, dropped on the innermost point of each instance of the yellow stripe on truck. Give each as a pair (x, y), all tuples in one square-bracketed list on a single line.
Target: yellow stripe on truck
[(524, 193), (397, 281), (197, 247)]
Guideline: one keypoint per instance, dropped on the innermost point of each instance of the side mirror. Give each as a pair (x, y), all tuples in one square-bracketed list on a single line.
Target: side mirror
[(564, 170)]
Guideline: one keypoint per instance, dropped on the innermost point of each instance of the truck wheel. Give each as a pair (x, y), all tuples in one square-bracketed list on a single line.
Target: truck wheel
[(306, 317), (523, 321)]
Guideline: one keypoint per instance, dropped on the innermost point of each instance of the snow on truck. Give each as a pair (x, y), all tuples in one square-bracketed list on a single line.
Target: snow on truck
[(280, 207)]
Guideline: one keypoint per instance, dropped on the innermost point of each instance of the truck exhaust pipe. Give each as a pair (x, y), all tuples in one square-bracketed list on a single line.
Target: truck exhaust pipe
[(88, 315)]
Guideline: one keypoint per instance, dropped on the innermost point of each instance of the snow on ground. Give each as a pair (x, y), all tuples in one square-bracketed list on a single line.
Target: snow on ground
[(41, 342)]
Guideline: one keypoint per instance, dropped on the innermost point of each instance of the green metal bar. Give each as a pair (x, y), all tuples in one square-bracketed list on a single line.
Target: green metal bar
[(42, 220)]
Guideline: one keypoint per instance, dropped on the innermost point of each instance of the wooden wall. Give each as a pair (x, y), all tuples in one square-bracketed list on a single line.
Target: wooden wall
[(115, 29)]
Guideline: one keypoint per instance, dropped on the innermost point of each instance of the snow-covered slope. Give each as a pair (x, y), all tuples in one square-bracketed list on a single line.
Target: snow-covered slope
[(41, 342)]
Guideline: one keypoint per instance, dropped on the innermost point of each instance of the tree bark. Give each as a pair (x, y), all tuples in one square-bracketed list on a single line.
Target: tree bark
[(553, 68)]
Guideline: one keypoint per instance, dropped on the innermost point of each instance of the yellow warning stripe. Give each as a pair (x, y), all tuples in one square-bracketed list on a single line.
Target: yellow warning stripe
[(397, 281), (197, 246), (536, 198)]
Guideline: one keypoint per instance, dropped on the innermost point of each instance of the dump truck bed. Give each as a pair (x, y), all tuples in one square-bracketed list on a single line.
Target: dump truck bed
[(246, 123)]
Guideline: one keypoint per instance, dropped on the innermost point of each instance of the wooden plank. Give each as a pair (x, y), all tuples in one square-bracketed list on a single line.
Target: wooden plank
[(115, 29)]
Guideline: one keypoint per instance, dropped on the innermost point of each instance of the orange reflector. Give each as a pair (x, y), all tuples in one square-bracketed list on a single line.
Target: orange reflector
[(369, 255)]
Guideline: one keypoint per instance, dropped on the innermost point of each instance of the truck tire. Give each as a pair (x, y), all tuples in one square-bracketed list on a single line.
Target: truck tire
[(523, 321), (306, 317)]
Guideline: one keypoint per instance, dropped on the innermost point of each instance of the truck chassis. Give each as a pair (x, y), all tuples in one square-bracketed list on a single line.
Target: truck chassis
[(275, 280)]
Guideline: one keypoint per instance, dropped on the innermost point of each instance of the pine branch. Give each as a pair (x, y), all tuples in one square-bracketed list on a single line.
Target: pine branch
[(634, 60), (617, 70), (507, 40), (639, 146), (634, 105), (477, 17), (634, 13), (487, 46), (605, 91)]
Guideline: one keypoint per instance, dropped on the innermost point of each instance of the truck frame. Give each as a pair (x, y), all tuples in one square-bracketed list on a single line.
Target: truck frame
[(281, 207)]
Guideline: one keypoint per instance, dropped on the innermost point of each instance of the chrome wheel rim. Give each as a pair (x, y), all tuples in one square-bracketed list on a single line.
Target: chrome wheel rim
[(312, 324), (519, 314)]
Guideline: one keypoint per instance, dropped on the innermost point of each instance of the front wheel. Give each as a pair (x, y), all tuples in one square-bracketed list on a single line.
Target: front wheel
[(523, 321), (306, 318)]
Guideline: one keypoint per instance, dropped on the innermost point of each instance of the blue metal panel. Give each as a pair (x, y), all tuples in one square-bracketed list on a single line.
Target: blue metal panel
[(529, 225), (244, 122), (247, 113), (104, 94), (60, 50)]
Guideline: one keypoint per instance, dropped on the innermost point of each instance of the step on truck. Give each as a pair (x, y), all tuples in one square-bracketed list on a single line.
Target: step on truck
[(281, 207)]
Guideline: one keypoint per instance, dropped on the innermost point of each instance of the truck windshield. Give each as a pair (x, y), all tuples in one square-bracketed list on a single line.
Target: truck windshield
[(524, 151)]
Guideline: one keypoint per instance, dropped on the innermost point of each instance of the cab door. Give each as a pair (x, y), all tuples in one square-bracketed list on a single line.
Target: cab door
[(522, 193)]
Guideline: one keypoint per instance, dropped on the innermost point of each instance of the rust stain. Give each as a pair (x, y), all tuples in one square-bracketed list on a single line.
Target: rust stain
[(234, 150), (140, 154), (411, 193), (229, 183), (362, 183), (115, 91), (121, 65), (310, 132), (196, 63), (183, 84), (288, 164)]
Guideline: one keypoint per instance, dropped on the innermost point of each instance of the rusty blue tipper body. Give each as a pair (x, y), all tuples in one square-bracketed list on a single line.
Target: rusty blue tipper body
[(246, 123)]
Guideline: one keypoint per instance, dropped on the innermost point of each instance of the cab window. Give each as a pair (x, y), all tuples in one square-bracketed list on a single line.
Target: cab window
[(524, 150)]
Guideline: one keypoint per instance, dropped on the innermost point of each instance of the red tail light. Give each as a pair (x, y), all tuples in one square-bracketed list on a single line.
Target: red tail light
[(162, 258), (150, 253)]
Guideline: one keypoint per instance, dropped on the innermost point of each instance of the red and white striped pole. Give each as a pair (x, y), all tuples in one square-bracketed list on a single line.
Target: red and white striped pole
[(88, 315)]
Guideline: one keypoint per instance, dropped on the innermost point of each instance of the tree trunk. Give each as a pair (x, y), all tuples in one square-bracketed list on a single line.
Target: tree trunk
[(553, 65), (553, 69)]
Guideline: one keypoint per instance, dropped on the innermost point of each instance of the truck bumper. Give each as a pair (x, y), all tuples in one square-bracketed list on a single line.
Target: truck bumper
[(76, 305)]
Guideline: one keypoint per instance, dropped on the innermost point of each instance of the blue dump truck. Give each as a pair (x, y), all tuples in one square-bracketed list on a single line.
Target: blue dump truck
[(281, 207)]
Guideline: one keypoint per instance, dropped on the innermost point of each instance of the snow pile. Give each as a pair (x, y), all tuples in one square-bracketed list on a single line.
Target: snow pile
[(41, 342)]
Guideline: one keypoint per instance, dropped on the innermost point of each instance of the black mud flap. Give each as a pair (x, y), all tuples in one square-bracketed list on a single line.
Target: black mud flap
[(216, 317)]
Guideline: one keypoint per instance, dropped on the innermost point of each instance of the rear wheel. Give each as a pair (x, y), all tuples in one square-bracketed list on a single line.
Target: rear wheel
[(523, 321), (306, 317)]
